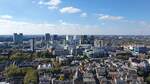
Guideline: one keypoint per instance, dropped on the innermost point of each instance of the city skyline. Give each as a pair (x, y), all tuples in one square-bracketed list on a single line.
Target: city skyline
[(96, 17)]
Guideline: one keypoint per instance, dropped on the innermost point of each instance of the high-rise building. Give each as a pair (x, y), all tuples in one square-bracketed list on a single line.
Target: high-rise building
[(47, 37), (74, 37), (32, 44), (91, 40), (84, 39), (98, 43), (55, 37), (18, 38), (69, 39)]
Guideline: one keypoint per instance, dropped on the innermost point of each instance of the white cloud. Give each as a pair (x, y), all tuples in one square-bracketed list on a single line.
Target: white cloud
[(54, 2), (70, 10), (51, 4), (52, 7), (41, 3), (83, 15), (62, 22), (109, 17), (6, 17), (67, 23), (10, 26)]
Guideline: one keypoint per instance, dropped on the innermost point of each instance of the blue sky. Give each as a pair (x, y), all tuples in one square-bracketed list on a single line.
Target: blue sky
[(75, 17)]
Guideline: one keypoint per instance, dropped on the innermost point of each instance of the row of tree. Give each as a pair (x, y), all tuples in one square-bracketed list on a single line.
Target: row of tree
[(30, 75), (21, 56)]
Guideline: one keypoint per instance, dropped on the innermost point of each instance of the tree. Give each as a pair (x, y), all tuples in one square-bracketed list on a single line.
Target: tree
[(31, 77), (20, 56), (55, 70), (148, 79), (44, 54), (30, 74), (13, 70), (61, 77), (3, 59), (84, 57), (140, 72), (56, 63)]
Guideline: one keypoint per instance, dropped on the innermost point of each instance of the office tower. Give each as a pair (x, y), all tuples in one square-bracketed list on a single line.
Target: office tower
[(18, 38), (98, 43), (91, 40), (84, 39), (69, 37), (55, 37), (32, 44), (47, 37), (74, 37)]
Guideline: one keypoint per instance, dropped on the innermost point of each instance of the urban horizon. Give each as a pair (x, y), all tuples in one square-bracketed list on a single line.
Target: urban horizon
[(81, 34), (74, 42)]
